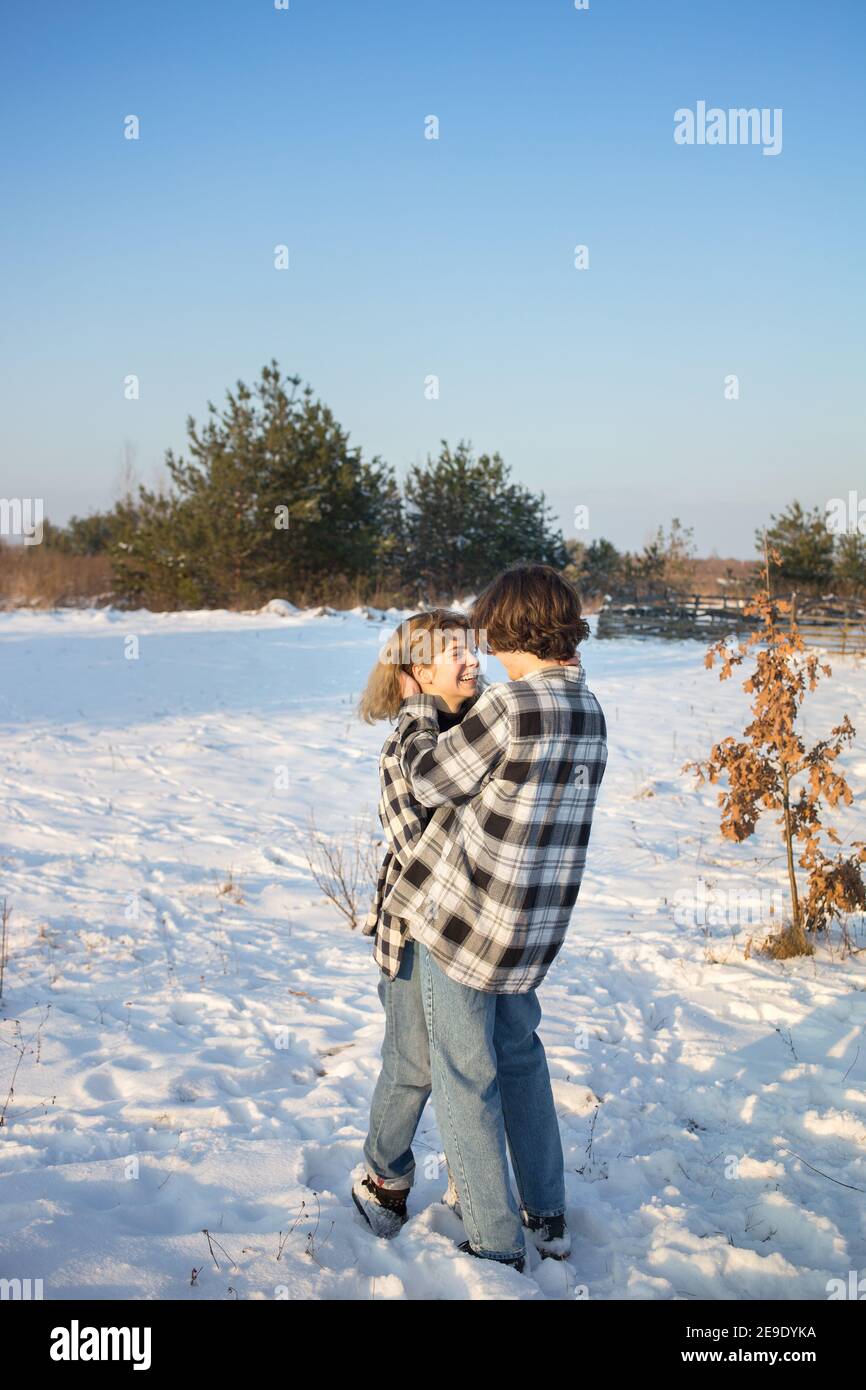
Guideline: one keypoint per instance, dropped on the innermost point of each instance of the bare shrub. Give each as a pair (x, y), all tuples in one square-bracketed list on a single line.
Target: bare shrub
[(346, 873)]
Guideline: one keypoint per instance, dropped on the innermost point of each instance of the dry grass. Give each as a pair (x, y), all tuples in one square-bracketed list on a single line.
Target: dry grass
[(336, 591), (231, 888), (39, 577), (737, 575), (32, 576), (790, 941)]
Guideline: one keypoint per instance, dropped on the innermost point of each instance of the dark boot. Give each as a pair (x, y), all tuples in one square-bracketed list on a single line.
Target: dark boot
[(384, 1209), (549, 1235)]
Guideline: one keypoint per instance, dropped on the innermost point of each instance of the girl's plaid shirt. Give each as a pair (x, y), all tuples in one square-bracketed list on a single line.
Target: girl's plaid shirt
[(493, 876), (403, 820)]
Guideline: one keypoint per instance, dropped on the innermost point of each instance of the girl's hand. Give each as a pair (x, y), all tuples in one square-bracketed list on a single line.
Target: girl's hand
[(408, 686)]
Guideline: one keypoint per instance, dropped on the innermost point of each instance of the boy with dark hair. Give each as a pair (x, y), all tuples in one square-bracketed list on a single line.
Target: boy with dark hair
[(488, 896)]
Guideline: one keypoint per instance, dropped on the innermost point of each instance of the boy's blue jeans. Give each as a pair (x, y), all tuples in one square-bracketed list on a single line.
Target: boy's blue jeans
[(486, 1065)]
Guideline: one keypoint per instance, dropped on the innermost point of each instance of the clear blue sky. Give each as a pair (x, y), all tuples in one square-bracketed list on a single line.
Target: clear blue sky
[(409, 256)]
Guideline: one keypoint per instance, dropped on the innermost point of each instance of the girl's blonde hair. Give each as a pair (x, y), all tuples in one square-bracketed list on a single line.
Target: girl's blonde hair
[(414, 643)]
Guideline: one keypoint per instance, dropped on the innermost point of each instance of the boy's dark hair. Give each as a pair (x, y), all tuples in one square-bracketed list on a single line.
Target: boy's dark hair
[(530, 608)]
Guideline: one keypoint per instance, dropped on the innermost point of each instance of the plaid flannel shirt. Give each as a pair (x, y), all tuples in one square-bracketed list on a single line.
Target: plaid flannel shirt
[(404, 821), (491, 884)]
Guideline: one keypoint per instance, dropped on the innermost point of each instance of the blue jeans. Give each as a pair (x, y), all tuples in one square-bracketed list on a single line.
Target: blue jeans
[(404, 1082), (491, 1085)]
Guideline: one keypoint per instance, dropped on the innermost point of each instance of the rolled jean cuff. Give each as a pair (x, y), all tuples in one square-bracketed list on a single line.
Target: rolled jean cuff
[(499, 1254), (392, 1184)]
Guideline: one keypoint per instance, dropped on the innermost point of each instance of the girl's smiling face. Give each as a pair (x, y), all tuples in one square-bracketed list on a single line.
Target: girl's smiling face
[(452, 673)]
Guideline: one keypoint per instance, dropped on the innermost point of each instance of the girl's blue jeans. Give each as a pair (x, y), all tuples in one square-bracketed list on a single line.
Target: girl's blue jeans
[(486, 1066)]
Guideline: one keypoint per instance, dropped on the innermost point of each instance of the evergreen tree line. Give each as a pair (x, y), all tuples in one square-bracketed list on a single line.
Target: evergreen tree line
[(273, 501), (813, 559)]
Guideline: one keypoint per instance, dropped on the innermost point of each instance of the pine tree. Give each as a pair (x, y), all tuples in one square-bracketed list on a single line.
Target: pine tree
[(271, 498), (849, 563), (804, 546), (598, 567), (465, 521)]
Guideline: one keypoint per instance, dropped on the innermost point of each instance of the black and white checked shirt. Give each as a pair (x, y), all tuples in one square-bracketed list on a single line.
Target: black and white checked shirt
[(491, 881), (404, 821)]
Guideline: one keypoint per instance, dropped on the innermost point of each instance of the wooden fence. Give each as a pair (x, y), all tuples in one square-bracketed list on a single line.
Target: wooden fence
[(839, 625)]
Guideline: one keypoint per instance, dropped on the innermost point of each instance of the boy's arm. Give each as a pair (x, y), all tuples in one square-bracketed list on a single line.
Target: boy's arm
[(451, 766)]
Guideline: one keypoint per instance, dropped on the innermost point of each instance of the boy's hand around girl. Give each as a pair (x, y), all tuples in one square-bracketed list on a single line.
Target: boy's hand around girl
[(408, 685)]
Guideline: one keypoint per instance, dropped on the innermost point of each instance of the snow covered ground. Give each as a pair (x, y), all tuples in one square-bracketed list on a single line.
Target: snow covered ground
[(199, 1030)]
